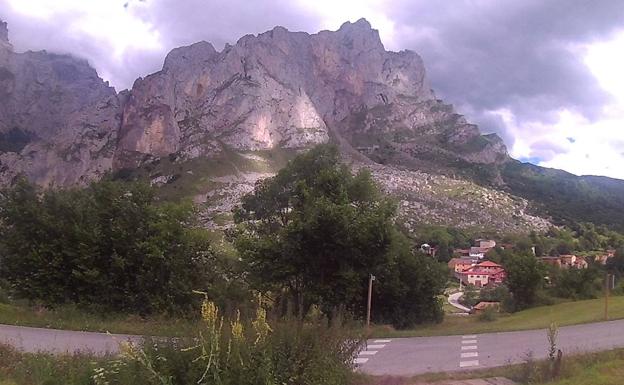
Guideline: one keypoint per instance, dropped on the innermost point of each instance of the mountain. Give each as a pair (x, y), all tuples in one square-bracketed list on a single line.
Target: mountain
[(211, 123)]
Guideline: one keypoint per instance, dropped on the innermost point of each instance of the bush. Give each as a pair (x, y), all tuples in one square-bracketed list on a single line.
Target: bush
[(488, 314), (110, 247), (237, 352)]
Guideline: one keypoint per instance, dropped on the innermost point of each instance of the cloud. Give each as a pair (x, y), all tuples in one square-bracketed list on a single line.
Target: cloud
[(125, 39), (525, 55)]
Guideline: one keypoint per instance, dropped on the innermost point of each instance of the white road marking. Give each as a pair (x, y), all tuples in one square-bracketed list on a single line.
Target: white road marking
[(464, 364), (368, 352), (381, 341), (471, 347), (375, 346), (360, 360), (469, 354), (472, 336), (469, 341)]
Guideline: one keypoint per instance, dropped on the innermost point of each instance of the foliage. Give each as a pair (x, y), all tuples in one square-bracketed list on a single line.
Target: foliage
[(446, 239), (576, 283), (315, 232), (569, 199), (109, 246), (242, 352), (488, 314), (525, 276)]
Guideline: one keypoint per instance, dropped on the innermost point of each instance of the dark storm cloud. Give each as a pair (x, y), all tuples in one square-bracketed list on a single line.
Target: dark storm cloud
[(177, 23), (524, 55)]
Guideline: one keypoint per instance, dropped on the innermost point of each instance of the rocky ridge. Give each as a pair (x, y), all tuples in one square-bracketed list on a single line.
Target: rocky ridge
[(210, 123)]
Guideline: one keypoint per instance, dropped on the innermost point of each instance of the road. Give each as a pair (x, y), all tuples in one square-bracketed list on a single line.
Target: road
[(398, 356), (412, 356), (61, 341), (453, 299)]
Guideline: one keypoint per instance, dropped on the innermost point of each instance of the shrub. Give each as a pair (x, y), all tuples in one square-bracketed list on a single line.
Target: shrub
[(242, 352), (110, 247), (488, 314)]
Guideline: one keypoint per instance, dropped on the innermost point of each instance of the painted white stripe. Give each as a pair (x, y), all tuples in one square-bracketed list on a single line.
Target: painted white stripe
[(368, 352), (470, 336), (465, 364), (381, 341), (375, 346), (360, 360), (471, 347), (469, 341), (469, 354)]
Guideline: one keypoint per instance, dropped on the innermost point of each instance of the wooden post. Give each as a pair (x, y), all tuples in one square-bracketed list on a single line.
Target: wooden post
[(371, 278)]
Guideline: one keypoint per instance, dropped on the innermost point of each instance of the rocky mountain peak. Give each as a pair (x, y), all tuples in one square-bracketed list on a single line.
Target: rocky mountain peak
[(4, 37)]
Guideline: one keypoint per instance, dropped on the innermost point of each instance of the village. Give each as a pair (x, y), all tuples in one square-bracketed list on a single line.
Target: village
[(471, 268)]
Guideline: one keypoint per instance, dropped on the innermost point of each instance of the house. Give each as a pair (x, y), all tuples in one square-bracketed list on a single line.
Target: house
[(566, 261), (428, 249), (552, 261), (458, 265), (572, 261), (481, 306), (484, 274), (485, 243), (462, 253), (478, 252)]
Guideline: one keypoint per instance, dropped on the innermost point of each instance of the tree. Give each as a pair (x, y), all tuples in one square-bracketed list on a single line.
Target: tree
[(109, 246), (314, 233), (525, 276)]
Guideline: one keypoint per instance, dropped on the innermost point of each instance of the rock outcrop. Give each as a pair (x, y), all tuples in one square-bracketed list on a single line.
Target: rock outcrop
[(58, 120)]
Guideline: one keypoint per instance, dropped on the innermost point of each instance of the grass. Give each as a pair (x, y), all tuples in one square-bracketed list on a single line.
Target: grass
[(567, 313), (34, 369), (70, 318)]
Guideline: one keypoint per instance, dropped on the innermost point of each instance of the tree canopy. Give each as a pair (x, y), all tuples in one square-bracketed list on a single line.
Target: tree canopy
[(109, 246), (315, 232)]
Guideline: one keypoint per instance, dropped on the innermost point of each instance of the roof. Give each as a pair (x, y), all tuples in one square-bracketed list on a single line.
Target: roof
[(488, 264), (482, 305)]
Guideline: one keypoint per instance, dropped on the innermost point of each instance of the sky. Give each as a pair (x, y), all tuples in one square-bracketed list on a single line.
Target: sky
[(544, 75)]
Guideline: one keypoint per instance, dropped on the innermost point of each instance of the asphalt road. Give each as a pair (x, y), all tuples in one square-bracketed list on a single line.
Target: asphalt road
[(411, 356), (61, 341), (398, 356), (453, 299)]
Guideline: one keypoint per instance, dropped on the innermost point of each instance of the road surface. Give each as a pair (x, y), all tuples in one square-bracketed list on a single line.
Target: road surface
[(393, 356), (61, 341), (411, 356), (453, 299)]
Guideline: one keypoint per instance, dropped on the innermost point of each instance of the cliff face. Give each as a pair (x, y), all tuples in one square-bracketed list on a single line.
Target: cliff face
[(58, 119), (209, 124), (292, 90)]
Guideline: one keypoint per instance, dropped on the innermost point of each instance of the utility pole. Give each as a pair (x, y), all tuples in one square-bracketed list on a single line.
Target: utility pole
[(371, 278), (607, 284)]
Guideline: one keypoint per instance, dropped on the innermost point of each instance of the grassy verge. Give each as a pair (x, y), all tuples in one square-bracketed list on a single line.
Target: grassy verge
[(568, 313), (70, 318)]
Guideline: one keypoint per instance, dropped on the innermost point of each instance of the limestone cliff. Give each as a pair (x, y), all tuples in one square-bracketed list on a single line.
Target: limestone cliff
[(210, 123), (58, 120)]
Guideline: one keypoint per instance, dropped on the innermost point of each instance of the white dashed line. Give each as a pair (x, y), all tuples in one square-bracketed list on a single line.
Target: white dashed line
[(465, 364), (469, 342), (371, 351)]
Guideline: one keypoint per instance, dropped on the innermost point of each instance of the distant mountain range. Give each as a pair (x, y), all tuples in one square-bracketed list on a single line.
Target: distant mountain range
[(210, 123)]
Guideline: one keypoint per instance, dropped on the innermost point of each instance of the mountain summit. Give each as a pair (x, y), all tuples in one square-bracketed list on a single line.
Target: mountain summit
[(211, 123)]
